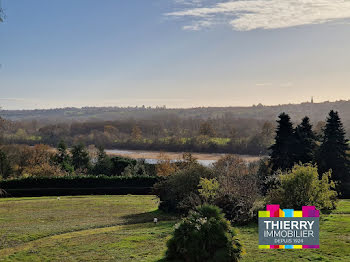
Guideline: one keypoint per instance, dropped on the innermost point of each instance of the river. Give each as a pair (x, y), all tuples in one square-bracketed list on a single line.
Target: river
[(152, 157)]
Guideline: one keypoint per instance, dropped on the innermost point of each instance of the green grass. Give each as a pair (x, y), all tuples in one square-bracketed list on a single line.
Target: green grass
[(215, 140), (23, 137), (120, 228), (220, 141)]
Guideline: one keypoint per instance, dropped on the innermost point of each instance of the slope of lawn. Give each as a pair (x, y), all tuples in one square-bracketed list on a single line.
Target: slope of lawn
[(120, 228), (79, 228)]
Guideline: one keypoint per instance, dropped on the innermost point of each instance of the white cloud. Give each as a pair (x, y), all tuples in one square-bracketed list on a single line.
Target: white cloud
[(245, 15), (195, 2), (198, 25), (188, 2), (263, 84)]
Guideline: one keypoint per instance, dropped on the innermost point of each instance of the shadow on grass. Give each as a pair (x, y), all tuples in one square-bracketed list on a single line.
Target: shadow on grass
[(149, 216)]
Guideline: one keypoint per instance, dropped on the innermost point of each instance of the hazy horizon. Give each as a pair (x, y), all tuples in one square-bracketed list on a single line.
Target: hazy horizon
[(178, 53), (175, 107)]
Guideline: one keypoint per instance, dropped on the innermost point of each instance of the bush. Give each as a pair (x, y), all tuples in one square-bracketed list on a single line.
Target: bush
[(139, 169), (103, 165), (205, 235), (208, 189), (230, 184), (121, 163), (239, 188), (179, 192), (265, 175), (302, 187)]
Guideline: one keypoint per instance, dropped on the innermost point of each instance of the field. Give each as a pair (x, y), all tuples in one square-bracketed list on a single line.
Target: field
[(120, 228)]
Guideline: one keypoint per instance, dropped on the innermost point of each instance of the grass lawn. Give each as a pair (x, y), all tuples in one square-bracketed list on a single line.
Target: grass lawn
[(120, 228)]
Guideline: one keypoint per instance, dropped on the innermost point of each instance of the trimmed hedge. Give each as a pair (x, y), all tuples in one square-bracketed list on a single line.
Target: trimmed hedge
[(346, 193), (78, 185)]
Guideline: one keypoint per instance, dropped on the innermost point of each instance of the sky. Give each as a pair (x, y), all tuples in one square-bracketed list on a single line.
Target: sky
[(178, 53)]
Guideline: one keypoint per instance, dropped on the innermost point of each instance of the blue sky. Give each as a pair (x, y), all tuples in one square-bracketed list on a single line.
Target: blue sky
[(179, 53)]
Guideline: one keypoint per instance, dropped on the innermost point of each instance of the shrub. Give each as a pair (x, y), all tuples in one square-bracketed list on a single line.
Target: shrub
[(230, 184), (205, 235), (136, 170), (120, 164), (103, 165), (208, 189), (179, 192), (265, 175), (301, 186), (239, 188)]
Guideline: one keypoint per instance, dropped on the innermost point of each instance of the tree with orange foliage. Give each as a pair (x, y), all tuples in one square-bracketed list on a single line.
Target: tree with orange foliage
[(40, 164), (164, 166)]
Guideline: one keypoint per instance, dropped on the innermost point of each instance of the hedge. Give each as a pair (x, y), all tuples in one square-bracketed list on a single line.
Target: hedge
[(78, 185)]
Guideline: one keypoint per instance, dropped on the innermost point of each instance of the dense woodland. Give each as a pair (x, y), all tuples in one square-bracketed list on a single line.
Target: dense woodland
[(247, 130), (229, 135)]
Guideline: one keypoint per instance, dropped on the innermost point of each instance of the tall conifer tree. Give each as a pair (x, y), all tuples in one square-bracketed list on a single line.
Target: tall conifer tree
[(305, 142), (333, 153), (282, 152)]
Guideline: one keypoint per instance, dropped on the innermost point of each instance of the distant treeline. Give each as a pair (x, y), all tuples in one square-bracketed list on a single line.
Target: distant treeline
[(224, 135), (316, 112), (240, 130)]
